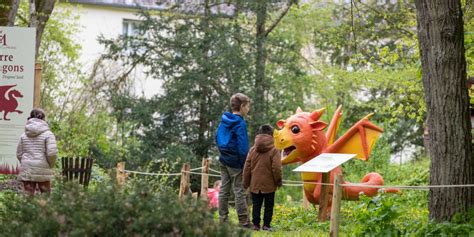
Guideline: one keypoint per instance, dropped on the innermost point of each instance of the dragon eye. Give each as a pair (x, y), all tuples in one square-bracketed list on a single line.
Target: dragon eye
[(295, 129)]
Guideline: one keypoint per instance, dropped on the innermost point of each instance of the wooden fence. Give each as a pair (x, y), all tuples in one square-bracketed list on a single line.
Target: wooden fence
[(77, 169), (184, 187)]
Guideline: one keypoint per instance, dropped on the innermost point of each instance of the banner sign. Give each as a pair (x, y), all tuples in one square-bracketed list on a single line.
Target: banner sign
[(324, 162), (17, 70)]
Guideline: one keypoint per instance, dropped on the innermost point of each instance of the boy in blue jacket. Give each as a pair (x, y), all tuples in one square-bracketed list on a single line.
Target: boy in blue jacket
[(232, 141)]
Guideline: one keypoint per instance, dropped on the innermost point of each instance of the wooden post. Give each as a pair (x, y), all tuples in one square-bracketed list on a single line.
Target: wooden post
[(121, 175), (37, 93), (184, 185), (336, 206), (305, 200), (204, 179), (323, 198)]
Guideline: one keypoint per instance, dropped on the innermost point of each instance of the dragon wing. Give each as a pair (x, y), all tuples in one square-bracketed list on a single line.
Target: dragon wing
[(359, 139), (3, 92), (333, 126)]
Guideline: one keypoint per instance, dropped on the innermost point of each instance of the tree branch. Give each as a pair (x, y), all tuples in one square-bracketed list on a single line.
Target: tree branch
[(13, 12), (352, 26), (23, 19), (8, 11), (275, 23), (219, 3), (411, 34)]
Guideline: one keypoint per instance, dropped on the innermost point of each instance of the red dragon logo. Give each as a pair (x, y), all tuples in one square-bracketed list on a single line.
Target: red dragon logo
[(8, 102)]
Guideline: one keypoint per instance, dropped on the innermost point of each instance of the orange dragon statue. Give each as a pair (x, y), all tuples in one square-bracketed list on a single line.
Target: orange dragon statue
[(301, 138)]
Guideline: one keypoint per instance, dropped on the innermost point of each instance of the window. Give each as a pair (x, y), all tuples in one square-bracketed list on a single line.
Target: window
[(130, 27)]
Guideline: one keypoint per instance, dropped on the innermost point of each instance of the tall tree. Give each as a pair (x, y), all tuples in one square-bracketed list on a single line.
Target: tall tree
[(40, 11), (201, 62), (379, 61), (441, 42), (261, 9), (8, 10)]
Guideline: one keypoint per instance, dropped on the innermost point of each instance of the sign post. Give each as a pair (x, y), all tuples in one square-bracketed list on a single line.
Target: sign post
[(17, 79), (37, 91), (324, 198), (323, 164)]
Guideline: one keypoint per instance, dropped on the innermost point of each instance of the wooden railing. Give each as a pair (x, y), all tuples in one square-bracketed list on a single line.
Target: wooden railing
[(77, 169)]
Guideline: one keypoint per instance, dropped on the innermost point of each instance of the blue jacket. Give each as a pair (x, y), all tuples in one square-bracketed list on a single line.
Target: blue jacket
[(232, 140)]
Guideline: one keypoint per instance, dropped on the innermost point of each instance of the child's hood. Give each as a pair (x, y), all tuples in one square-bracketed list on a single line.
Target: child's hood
[(230, 120), (263, 143), (35, 127)]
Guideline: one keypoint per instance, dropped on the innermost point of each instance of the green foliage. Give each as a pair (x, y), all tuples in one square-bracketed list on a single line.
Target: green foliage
[(284, 70), (168, 160), (471, 99), (461, 225), (413, 172), (363, 34), (222, 64), (395, 215), (201, 62), (376, 215), (108, 211), (218, 65), (296, 218), (76, 119), (288, 194), (468, 18), (372, 72)]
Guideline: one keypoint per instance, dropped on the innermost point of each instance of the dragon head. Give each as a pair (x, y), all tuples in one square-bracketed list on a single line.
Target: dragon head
[(16, 94), (301, 136)]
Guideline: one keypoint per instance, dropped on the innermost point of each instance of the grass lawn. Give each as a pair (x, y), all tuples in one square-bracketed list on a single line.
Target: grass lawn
[(386, 214)]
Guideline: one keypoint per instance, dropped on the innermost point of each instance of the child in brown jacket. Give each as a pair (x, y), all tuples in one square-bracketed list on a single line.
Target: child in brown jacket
[(262, 174)]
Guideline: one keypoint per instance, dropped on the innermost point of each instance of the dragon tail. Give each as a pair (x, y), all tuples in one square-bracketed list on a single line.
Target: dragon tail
[(352, 192)]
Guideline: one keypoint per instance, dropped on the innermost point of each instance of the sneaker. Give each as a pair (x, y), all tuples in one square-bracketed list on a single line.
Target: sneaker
[(267, 228), (256, 227), (247, 226)]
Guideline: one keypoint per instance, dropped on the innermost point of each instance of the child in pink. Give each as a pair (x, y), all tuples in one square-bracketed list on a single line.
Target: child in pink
[(213, 195)]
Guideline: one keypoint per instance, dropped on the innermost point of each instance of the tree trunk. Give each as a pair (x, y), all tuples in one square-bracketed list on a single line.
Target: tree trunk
[(441, 40), (40, 11), (204, 141), (259, 106), (8, 10), (260, 102)]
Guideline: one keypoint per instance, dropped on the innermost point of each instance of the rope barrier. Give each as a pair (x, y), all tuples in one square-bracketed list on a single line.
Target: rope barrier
[(167, 174), (197, 168), (213, 175), (300, 183), (215, 171), (293, 185), (296, 183), (306, 182), (410, 187), (146, 173)]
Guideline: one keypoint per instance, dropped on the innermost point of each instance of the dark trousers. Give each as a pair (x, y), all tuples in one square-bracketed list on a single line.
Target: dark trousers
[(257, 200), (30, 186)]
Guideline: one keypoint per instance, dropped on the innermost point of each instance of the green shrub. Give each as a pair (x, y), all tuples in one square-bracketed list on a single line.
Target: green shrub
[(376, 215), (460, 225), (108, 211)]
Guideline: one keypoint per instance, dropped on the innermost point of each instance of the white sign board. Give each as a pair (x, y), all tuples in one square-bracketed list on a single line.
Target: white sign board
[(17, 70), (324, 162)]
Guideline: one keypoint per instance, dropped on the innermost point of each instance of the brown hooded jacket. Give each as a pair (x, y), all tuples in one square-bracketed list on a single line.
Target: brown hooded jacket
[(262, 170)]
